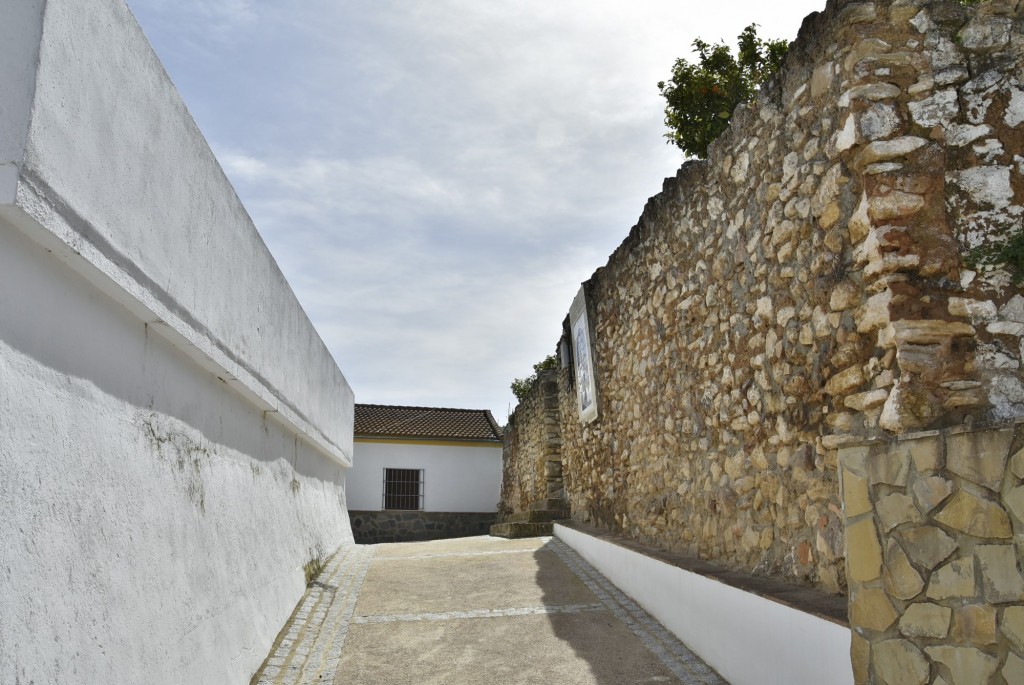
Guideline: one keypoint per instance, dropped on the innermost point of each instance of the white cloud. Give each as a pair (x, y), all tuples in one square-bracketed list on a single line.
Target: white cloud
[(206, 16), (437, 178)]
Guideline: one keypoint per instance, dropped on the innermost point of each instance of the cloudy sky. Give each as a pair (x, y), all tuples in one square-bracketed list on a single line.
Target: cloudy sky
[(436, 178)]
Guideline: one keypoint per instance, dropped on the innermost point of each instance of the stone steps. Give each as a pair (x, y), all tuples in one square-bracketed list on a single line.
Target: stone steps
[(521, 529), (537, 520), (537, 516), (550, 504)]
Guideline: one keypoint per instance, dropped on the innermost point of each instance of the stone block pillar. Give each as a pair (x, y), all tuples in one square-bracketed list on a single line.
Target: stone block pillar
[(934, 534), (532, 459)]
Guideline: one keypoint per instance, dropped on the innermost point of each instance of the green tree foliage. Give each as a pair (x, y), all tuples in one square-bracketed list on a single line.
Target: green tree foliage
[(701, 97), (521, 386)]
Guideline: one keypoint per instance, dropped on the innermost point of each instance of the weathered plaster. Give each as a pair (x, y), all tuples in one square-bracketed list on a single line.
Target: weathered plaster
[(174, 435), (155, 522)]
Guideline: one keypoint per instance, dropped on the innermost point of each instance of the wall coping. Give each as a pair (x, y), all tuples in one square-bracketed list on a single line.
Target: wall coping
[(832, 608), (920, 435)]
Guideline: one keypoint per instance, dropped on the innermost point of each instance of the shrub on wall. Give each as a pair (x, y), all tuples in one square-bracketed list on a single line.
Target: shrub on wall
[(521, 386), (701, 97)]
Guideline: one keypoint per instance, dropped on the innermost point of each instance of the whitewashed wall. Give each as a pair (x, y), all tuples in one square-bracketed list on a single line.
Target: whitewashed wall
[(174, 435), (456, 478)]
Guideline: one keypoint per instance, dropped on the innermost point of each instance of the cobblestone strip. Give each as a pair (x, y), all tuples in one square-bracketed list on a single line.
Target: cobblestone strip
[(332, 635), (689, 668), (482, 613), (290, 653), (311, 648)]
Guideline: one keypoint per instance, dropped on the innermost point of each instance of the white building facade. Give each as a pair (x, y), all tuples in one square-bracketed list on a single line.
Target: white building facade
[(174, 435), (423, 472)]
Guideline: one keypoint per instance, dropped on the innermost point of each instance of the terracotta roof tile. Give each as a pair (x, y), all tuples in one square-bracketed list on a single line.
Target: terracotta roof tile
[(381, 420)]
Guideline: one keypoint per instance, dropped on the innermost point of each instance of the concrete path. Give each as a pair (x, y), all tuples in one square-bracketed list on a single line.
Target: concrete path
[(473, 611)]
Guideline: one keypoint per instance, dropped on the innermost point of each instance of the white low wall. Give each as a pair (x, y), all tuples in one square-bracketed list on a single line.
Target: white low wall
[(174, 435), (750, 640), (464, 478)]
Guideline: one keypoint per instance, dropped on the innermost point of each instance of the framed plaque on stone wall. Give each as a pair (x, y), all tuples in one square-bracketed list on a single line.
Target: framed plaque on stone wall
[(582, 354)]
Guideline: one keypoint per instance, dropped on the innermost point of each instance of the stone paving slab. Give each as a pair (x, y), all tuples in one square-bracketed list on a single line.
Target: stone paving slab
[(473, 611), (478, 651), (484, 543), (461, 581)]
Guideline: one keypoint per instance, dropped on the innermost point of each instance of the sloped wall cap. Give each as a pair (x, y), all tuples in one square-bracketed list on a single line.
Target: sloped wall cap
[(101, 162)]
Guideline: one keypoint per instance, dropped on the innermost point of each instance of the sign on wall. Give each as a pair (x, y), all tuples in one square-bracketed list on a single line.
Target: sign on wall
[(586, 387)]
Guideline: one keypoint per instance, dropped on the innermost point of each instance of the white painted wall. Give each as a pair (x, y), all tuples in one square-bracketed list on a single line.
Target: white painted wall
[(154, 522), (174, 434), (456, 478), (750, 640)]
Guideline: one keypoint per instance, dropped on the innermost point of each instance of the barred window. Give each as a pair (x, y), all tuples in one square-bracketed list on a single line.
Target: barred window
[(403, 489)]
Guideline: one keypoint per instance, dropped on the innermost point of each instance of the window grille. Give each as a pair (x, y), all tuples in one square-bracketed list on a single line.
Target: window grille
[(403, 489)]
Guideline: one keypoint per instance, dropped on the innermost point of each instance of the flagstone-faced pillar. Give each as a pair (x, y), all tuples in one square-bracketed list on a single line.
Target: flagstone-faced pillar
[(934, 529)]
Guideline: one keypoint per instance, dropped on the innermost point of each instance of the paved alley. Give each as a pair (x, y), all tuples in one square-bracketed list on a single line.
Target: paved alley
[(473, 611)]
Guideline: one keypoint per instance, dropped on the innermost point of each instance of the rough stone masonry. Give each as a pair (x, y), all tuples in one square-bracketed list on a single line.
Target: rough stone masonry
[(808, 284)]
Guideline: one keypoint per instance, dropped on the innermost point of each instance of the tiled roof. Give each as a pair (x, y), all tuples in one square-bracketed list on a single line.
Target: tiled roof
[(438, 423)]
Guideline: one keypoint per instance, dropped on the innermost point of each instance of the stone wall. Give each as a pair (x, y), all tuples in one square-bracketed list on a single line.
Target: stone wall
[(372, 527), (936, 591), (807, 283), (531, 465)]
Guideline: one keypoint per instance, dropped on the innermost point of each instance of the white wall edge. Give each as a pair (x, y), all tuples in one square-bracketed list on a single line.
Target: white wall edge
[(748, 639), (8, 183), (47, 226)]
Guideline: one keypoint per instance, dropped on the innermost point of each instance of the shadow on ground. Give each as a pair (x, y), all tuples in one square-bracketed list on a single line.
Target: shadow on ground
[(599, 636), (486, 610)]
